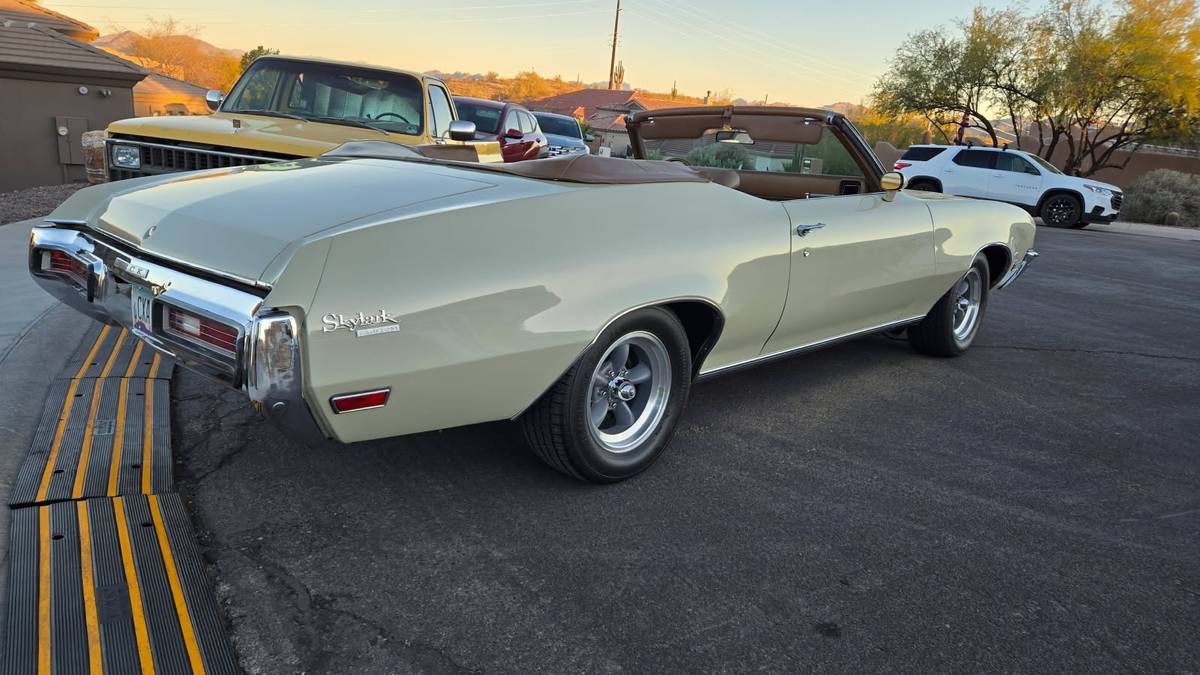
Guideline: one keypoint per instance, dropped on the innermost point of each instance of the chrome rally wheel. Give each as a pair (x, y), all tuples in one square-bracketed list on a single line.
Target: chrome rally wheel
[(968, 304), (613, 413), (951, 326), (631, 387)]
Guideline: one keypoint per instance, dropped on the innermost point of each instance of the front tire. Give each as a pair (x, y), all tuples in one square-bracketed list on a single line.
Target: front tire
[(952, 324), (1062, 210), (614, 412)]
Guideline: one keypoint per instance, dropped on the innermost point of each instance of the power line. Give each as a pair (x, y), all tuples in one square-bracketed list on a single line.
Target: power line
[(612, 65)]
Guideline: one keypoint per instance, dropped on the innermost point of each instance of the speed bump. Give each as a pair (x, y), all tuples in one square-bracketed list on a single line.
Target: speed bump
[(102, 435), (110, 586)]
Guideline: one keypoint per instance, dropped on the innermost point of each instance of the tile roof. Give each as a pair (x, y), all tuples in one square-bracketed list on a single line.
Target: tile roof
[(32, 48), (587, 99), (21, 11)]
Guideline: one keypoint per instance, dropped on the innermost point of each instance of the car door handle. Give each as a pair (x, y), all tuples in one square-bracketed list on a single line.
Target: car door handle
[(804, 229)]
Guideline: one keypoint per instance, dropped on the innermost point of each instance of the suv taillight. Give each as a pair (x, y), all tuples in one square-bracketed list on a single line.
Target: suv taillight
[(200, 329), (902, 165)]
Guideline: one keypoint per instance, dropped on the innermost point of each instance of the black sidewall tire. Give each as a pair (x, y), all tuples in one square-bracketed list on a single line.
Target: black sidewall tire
[(590, 459), (1075, 221), (924, 186), (934, 335)]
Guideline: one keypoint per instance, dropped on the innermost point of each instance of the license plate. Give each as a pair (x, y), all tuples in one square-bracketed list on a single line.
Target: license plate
[(143, 309)]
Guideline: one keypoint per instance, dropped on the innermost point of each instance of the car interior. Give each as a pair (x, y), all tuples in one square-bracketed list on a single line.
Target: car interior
[(769, 155)]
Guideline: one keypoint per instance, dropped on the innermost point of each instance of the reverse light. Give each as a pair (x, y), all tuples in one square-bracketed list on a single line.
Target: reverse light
[(363, 400), (127, 156), (203, 330), (902, 165)]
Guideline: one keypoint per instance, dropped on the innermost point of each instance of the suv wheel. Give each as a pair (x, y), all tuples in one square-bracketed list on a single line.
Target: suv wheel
[(925, 185), (1062, 210)]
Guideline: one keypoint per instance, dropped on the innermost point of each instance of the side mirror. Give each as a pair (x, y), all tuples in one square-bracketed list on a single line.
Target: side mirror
[(214, 99), (514, 133), (462, 130), (891, 183), (588, 138)]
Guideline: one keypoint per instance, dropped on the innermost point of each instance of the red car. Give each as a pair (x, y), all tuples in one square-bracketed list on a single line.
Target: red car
[(512, 125)]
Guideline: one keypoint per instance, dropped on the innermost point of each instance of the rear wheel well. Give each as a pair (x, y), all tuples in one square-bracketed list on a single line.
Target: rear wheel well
[(998, 258), (929, 179), (703, 324)]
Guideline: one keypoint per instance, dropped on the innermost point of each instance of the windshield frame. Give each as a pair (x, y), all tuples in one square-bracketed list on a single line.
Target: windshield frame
[(365, 72)]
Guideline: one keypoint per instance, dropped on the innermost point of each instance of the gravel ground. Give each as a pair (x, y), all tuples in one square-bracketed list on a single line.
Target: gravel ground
[(34, 202)]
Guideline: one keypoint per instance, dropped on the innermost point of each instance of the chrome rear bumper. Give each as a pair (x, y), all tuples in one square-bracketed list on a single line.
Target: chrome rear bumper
[(1018, 269), (266, 362)]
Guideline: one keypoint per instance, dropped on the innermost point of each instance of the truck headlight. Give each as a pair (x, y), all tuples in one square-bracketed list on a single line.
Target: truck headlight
[(127, 156)]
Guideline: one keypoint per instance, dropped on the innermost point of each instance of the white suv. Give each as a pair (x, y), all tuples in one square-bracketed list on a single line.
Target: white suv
[(1012, 176)]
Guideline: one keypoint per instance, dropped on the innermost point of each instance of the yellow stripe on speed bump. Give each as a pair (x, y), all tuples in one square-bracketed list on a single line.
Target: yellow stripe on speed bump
[(136, 606), (181, 609), (95, 658), (59, 430), (43, 658), (85, 452), (148, 429)]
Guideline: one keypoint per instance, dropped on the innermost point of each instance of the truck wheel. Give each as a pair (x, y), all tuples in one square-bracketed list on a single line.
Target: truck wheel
[(614, 412), (1062, 211), (952, 324)]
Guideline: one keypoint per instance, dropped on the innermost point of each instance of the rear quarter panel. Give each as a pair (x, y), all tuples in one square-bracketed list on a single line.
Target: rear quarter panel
[(495, 301), (964, 227)]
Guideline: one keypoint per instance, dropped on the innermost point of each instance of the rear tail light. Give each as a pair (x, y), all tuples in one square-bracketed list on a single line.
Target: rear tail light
[(200, 329), (364, 400), (57, 261), (902, 165)]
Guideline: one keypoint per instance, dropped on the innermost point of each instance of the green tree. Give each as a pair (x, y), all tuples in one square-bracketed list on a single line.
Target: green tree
[(258, 51), (1074, 80)]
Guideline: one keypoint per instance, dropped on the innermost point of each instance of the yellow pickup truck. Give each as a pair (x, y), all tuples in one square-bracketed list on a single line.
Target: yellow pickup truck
[(282, 108)]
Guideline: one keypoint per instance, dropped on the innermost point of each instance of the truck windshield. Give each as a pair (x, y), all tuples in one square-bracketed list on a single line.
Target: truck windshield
[(330, 94), (559, 126)]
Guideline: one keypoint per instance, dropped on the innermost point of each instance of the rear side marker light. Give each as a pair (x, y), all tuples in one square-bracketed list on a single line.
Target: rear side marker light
[(363, 400), (200, 329)]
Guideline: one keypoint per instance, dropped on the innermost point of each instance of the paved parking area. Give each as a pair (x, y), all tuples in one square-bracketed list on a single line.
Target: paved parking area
[(1032, 506)]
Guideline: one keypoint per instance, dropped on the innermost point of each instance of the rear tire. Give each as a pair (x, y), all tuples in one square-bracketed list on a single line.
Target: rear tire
[(925, 185), (951, 326), (614, 412)]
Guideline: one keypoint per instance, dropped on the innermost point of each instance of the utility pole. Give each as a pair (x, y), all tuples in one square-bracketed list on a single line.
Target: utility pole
[(612, 66)]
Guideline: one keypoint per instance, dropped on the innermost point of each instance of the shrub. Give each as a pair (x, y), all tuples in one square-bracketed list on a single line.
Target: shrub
[(1151, 197)]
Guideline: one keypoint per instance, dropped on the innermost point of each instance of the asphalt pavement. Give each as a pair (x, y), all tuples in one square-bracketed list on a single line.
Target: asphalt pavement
[(1032, 506)]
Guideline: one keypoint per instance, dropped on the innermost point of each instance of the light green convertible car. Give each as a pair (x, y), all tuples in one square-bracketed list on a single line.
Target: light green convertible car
[(379, 290)]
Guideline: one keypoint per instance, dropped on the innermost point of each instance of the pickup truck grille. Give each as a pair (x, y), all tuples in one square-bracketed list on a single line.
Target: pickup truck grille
[(166, 157)]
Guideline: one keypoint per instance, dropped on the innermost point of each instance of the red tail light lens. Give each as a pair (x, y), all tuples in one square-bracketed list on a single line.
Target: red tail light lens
[(902, 165), (61, 262), (201, 329), (360, 401)]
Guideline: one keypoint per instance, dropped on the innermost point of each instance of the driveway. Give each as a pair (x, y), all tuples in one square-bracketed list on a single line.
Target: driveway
[(1034, 505)]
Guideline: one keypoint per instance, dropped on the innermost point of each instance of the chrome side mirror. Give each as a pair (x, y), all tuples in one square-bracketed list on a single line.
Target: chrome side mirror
[(891, 183), (214, 99), (462, 130)]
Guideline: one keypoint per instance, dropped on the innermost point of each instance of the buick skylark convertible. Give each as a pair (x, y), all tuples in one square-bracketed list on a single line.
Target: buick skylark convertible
[(379, 290)]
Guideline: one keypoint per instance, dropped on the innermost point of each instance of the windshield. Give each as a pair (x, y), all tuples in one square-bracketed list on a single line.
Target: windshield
[(329, 93), (486, 118), (1044, 164), (826, 157), (559, 126)]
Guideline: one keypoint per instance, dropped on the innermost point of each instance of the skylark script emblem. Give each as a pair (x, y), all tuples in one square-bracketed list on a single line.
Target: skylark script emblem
[(361, 324)]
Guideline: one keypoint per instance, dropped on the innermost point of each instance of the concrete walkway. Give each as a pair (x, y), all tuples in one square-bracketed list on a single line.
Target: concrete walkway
[(1181, 233), (37, 336)]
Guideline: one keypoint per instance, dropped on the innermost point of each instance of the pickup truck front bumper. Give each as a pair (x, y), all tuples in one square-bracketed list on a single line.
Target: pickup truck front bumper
[(234, 340)]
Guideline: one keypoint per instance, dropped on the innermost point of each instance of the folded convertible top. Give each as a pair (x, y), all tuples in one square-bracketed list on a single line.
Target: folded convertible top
[(568, 168)]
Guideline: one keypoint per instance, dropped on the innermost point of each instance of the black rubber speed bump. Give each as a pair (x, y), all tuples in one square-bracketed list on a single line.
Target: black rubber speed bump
[(99, 437), (109, 350), (110, 586)]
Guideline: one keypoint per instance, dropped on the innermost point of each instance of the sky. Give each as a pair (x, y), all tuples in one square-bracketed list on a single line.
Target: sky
[(803, 52)]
